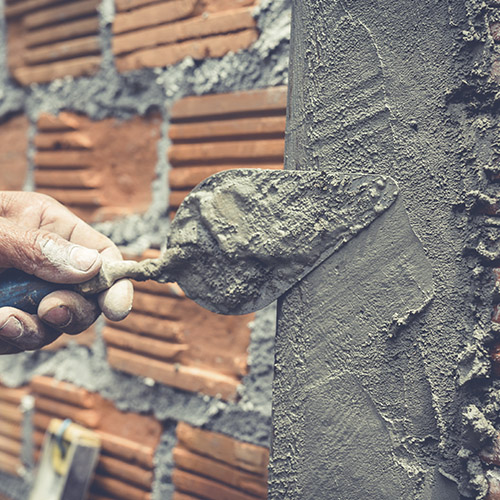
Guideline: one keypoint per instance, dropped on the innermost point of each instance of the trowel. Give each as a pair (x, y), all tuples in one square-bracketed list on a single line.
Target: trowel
[(241, 238)]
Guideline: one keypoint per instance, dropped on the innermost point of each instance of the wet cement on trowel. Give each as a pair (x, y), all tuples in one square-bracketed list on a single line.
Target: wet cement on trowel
[(243, 237), (400, 89), (123, 96)]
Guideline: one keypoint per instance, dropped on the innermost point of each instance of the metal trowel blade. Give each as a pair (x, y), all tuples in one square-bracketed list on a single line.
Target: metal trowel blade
[(246, 236)]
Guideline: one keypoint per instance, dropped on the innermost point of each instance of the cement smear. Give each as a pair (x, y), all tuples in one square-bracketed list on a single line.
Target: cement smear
[(110, 94)]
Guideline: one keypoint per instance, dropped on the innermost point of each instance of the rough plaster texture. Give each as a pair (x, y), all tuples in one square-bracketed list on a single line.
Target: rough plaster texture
[(402, 90), (110, 94)]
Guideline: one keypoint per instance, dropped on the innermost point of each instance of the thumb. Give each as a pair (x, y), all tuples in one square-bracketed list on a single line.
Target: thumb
[(46, 255)]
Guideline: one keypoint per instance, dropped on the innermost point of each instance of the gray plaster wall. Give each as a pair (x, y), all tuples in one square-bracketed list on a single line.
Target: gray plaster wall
[(402, 89), (110, 94)]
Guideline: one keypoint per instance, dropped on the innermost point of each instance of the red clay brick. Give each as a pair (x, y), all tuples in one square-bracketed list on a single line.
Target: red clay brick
[(198, 27), (250, 127), (272, 99), (60, 13), (100, 181), (68, 179), (13, 153), (246, 456), (20, 8), (86, 417), (127, 449), (130, 473), (208, 489), (66, 31), (119, 489), (218, 5), (143, 345), (152, 15), (183, 377), (151, 326), (250, 483), (62, 391), (63, 159), (177, 197), (63, 50), (209, 47), (264, 150), (45, 73)]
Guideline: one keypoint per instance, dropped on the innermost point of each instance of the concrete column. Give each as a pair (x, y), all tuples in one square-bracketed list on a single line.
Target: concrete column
[(362, 407)]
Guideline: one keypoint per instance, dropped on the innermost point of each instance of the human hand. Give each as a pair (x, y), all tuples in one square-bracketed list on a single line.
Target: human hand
[(40, 236)]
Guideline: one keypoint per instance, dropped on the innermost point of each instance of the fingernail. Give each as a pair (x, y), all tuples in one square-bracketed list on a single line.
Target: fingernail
[(82, 258), (12, 328), (59, 316)]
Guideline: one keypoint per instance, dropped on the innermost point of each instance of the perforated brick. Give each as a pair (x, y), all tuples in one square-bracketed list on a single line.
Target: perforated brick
[(149, 34), (217, 467), (49, 39), (128, 441), (224, 131), (99, 169)]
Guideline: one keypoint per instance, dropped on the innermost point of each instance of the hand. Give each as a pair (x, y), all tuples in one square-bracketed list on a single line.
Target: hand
[(41, 237)]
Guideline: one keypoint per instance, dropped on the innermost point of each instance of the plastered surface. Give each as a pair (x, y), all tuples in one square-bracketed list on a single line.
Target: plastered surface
[(405, 90), (122, 96)]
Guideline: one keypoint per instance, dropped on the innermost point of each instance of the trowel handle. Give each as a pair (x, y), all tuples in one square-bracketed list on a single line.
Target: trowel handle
[(25, 291)]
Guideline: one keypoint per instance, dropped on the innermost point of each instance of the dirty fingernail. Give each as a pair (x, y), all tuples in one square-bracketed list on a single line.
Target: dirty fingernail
[(12, 328), (82, 258), (59, 316)]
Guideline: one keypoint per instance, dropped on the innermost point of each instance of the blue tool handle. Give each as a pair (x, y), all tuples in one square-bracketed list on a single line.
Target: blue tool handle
[(25, 291)]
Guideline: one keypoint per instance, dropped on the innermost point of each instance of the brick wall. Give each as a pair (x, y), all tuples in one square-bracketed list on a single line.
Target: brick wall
[(217, 467), (149, 34), (98, 114), (99, 169), (50, 39), (220, 132), (11, 418), (128, 441), (172, 340)]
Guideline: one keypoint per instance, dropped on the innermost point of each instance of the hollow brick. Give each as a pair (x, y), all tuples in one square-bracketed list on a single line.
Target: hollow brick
[(203, 48), (206, 488), (62, 391), (98, 169), (246, 456), (150, 15), (198, 27), (251, 483), (176, 375)]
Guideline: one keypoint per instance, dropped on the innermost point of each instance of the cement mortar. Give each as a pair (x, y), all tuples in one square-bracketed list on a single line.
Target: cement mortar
[(402, 90), (110, 94)]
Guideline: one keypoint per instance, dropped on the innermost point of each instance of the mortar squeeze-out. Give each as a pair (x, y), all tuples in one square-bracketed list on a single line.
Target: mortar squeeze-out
[(243, 237)]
